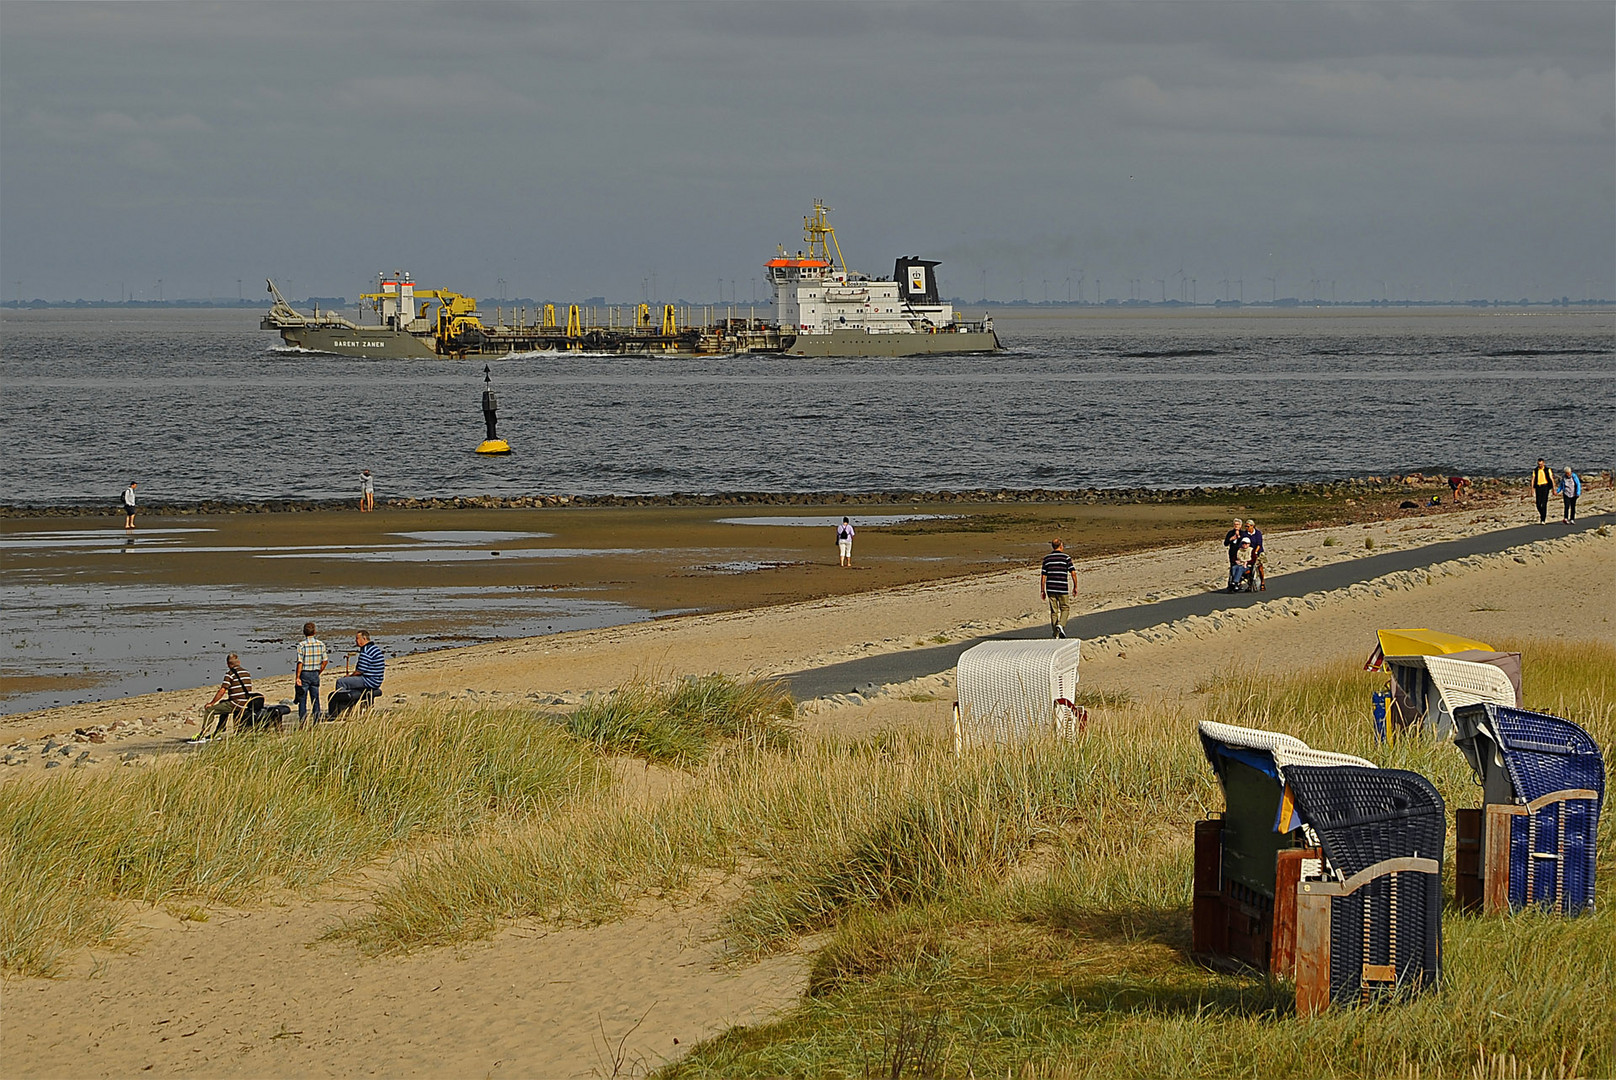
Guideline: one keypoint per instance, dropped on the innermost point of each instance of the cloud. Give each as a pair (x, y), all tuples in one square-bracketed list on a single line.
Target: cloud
[(123, 124), (464, 94), (1327, 102), (148, 156)]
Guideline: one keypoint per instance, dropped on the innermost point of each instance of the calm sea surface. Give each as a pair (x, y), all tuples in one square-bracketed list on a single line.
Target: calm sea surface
[(202, 404)]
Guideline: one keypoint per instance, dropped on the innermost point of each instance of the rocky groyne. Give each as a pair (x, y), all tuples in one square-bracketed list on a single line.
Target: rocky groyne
[(1403, 484)]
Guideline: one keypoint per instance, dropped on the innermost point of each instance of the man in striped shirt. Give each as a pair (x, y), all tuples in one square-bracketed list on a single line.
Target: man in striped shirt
[(368, 668), (1056, 583), (231, 697), (312, 658)]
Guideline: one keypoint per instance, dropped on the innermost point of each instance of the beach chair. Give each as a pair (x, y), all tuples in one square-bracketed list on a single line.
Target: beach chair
[(1434, 673), (1543, 786), (1010, 691), (1248, 861), (1369, 913)]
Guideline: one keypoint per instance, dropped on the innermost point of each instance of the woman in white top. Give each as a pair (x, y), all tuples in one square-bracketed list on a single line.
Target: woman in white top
[(844, 542)]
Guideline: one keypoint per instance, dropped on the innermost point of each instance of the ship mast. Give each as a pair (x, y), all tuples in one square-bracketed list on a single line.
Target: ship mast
[(821, 237)]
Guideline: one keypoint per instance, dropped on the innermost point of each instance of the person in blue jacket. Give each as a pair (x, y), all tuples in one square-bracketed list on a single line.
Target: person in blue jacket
[(1570, 487)]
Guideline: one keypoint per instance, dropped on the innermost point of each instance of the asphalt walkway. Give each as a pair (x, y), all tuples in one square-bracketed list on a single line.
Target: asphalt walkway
[(909, 664)]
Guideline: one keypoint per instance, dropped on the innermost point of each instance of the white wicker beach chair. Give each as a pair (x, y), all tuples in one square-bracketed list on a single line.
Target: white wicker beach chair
[(1463, 682), (1285, 749), (1011, 690)]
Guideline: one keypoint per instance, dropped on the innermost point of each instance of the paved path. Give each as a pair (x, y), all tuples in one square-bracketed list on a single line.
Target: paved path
[(909, 664)]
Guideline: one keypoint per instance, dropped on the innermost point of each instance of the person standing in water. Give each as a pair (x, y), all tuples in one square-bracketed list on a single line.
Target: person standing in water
[(844, 542), (367, 492)]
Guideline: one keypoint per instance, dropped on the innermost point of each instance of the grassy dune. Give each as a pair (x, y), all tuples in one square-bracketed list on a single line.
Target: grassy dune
[(1074, 962), (253, 813), (1023, 912)]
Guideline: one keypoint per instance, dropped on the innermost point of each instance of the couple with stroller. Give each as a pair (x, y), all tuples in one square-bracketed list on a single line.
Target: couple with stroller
[(1246, 564)]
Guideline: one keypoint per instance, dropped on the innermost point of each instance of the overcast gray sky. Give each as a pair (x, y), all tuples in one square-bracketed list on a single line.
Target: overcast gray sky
[(1428, 150)]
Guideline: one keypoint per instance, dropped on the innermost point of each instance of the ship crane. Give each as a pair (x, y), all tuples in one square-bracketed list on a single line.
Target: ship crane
[(282, 310)]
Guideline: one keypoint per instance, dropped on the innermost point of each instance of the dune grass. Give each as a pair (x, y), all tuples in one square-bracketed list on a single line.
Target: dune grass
[(254, 812), (257, 812), (1073, 962), (1023, 911), (679, 723)]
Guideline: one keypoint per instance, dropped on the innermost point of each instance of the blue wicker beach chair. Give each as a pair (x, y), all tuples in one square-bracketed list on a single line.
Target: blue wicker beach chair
[(1369, 919), (1248, 861), (1543, 786)]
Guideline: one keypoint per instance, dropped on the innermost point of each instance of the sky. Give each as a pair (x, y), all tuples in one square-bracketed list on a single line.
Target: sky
[(663, 150)]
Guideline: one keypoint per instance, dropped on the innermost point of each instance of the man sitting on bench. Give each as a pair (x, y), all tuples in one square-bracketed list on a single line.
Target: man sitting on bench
[(369, 668), (231, 699)]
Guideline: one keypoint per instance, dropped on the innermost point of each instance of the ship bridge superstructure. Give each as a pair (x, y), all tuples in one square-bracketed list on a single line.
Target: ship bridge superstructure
[(815, 292)]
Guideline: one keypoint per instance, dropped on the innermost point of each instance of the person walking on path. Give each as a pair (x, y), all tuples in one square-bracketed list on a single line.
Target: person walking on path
[(1258, 566), (129, 506), (312, 658), (1057, 581), (231, 697), (367, 493), (1542, 486), (1570, 488), (844, 542)]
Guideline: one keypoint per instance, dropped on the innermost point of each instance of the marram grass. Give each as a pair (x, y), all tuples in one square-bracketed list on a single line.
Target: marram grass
[(1073, 962), (254, 812), (680, 722)]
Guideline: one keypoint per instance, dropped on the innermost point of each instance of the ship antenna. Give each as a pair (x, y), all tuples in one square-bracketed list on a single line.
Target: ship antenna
[(817, 231)]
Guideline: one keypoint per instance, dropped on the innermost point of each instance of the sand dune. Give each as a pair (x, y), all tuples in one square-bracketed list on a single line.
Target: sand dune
[(257, 993)]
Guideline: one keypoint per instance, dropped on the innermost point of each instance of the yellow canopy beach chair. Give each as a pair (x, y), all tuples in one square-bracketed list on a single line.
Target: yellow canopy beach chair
[(1433, 673)]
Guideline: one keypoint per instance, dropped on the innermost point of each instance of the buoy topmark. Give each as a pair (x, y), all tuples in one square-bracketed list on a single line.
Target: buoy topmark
[(493, 446)]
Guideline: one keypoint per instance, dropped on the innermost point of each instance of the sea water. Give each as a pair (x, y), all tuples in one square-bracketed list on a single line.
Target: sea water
[(201, 404)]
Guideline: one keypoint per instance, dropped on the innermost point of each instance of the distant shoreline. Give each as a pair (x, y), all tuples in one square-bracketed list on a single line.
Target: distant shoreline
[(1372, 485), (1283, 303)]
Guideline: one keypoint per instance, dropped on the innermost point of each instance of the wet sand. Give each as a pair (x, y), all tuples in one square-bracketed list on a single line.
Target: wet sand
[(261, 992), (95, 612)]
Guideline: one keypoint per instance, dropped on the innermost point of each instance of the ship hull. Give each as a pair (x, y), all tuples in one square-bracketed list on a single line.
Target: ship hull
[(365, 343), (861, 343)]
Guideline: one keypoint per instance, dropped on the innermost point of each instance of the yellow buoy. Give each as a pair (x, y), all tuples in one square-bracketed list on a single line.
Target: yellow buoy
[(493, 446)]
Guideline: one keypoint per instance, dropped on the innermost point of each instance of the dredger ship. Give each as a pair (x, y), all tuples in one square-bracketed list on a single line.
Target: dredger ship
[(821, 308)]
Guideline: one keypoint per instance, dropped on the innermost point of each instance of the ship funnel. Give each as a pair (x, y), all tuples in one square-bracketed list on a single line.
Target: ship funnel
[(917, 280)]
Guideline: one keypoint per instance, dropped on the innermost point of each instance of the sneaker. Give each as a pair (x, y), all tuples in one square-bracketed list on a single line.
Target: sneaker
[(196, 741), (1060, 631)]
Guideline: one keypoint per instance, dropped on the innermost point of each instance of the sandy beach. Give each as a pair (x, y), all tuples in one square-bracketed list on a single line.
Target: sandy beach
[(258, 992)]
